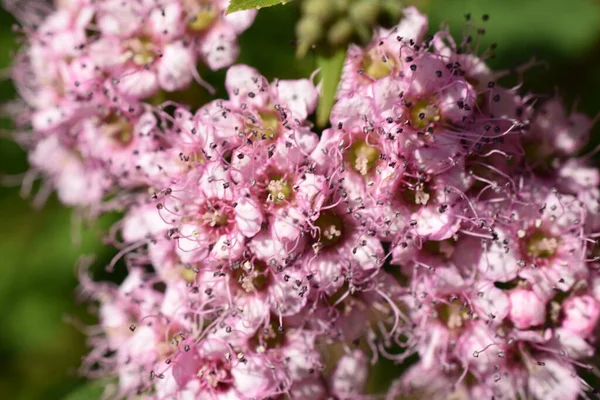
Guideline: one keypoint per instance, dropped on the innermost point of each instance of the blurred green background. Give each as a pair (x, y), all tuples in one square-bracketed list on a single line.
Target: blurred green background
[(40, 352)]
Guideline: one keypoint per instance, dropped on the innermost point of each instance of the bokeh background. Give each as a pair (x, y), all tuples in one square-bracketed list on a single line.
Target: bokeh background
[(40, 350)]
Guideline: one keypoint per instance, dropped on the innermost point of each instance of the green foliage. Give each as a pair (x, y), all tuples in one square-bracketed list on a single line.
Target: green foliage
[(331, 71), (566, 26), (89, 391), (240, 5)]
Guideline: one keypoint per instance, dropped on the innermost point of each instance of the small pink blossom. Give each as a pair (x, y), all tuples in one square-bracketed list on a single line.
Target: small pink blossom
[(581, 315), (526, 309)]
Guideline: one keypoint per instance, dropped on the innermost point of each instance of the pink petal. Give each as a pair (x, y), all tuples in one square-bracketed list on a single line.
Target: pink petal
[(138, 83), (253, 378), (248, 216), (219, 47), (175, 67), (497, 264), (245, 84), (413, 25), (350, 375), (166, 21), (300, 96), (553, 380)]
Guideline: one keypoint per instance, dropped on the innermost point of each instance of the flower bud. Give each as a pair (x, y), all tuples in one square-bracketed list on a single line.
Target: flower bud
[(329, 24), (350, 375), (526, 309), (322, 9), (309, 31), (341, 5), (365, 11), (581, 315), (340, 33)]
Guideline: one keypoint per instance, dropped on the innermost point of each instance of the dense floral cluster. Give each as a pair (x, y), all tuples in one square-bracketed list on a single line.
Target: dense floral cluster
[(441, 222), (90, 72)]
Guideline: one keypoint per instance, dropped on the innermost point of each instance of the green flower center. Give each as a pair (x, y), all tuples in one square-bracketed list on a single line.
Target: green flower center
[(375, 67), (270, 124), (362, 157), (424, 113), (188, 274)]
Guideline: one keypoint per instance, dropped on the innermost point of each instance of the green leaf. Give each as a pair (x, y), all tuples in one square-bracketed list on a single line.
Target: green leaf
[(88, 391), (331, 72), (240, 5)]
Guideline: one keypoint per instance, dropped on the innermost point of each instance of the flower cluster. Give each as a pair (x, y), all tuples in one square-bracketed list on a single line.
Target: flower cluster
[(90, 72), (442, 222)]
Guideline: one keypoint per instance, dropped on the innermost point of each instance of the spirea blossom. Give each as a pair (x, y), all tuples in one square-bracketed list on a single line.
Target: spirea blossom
[(442, 221), (89, 72)]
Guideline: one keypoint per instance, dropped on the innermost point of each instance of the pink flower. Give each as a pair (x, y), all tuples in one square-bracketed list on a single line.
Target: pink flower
[(538, 244), (140, 66), (216, 215), (559, 133), (382, 56), (77, 181), (206, 369)]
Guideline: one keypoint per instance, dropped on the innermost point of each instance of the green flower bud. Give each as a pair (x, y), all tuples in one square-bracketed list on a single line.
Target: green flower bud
[(333, 24), (309, 31), (341, 6), (322, 9), (340, 33), (365, 11)]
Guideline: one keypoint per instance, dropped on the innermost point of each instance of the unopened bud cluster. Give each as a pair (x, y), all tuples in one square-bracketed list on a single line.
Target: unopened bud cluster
[(441, 222), (336, 23)]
